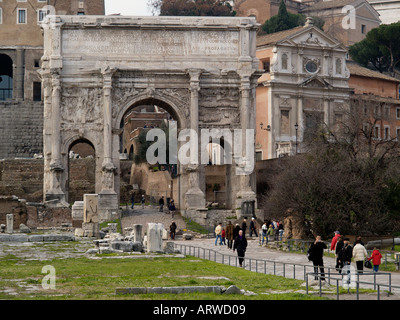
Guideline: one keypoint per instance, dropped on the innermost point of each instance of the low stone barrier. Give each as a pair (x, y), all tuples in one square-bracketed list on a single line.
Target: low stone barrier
[(35, 237), (184, 289)]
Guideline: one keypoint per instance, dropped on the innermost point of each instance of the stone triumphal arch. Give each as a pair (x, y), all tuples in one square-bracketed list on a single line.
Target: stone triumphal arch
[(203, 70)]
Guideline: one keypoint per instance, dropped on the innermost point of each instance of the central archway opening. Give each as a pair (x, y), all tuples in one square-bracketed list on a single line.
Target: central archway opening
[(138, 176)]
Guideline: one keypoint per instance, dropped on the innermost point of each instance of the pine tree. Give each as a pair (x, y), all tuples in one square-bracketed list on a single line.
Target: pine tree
[(283, 20)]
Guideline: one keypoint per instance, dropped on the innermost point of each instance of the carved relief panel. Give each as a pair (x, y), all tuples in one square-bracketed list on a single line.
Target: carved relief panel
[(81, 105), (219, 106)]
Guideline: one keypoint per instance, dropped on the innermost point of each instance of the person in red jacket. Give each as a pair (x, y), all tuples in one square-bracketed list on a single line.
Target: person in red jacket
[(334, 240), (376, 259)]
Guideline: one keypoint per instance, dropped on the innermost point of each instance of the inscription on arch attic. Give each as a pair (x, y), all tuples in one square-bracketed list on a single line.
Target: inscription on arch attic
[(151, 42)]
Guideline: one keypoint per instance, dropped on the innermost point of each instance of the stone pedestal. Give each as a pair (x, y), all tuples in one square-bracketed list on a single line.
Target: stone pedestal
[(137, 233), (77, 214), (108, 204), (91, 229), (154, 237), (10, 223)]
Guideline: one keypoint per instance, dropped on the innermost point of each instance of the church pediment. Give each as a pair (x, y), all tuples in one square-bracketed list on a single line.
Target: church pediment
[(315, 82), (313, 37)]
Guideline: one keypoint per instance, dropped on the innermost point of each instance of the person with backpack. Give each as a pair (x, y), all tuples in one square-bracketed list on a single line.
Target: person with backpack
[(316, 253)]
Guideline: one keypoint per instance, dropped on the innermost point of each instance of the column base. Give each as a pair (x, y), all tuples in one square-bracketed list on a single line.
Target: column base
[(56, 200), (108, 206), (194, 199)]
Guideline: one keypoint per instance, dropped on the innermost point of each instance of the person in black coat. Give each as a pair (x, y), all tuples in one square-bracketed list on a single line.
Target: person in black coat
[(338, 248), (236, 231), (316, 256), (240, 245), (244, 227), (346, 253)]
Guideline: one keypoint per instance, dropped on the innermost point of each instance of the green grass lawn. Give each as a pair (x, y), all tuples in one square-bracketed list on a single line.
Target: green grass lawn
[(83, 278)]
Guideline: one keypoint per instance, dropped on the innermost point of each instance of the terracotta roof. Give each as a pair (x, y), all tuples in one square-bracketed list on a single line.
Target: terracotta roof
[(358, 70), (276, 36), (323, 5)]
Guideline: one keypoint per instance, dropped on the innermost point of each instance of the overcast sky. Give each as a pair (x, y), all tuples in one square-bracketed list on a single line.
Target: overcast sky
[(128, 7)]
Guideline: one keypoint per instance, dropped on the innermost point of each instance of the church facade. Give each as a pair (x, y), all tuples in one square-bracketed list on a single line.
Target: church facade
[(305, 84)]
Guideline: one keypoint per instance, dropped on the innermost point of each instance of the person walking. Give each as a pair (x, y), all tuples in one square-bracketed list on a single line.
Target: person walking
[(316, 256), (338, 248), (270, 233), (281, 230), (334, 240), (236, 231), (244, 226), (172, 208), (253, 227), (132, 200), (143, 200), (376, 259), (346, 253), (172, 230), (264, 235), (223, 236), (161, 203), (240, 245), (218, 233), (229, 234), (359, 255)]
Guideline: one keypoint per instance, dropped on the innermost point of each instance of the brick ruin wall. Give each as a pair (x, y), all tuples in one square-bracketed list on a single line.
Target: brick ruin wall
[(21, 190), (21, 129)]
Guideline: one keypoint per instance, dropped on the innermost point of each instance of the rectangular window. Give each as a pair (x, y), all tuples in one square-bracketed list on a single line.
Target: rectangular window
[(376, 133), (21, 16), (37, 91), (363, 29), (266, 65), (397, 113), (386, 133), (41, 14), (398, 134), (258, 155)]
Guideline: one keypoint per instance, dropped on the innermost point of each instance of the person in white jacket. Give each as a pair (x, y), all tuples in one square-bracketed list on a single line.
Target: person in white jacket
[(359, 255)]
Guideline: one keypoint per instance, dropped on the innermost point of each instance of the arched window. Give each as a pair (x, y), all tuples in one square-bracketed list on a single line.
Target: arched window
[(6, 77)]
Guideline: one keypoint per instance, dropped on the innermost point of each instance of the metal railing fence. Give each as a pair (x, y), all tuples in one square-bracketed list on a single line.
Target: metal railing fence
[(294, 270)]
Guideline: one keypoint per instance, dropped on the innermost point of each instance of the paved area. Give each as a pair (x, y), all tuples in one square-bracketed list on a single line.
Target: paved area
[(150, 214), (290, 265), (258, 258)]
